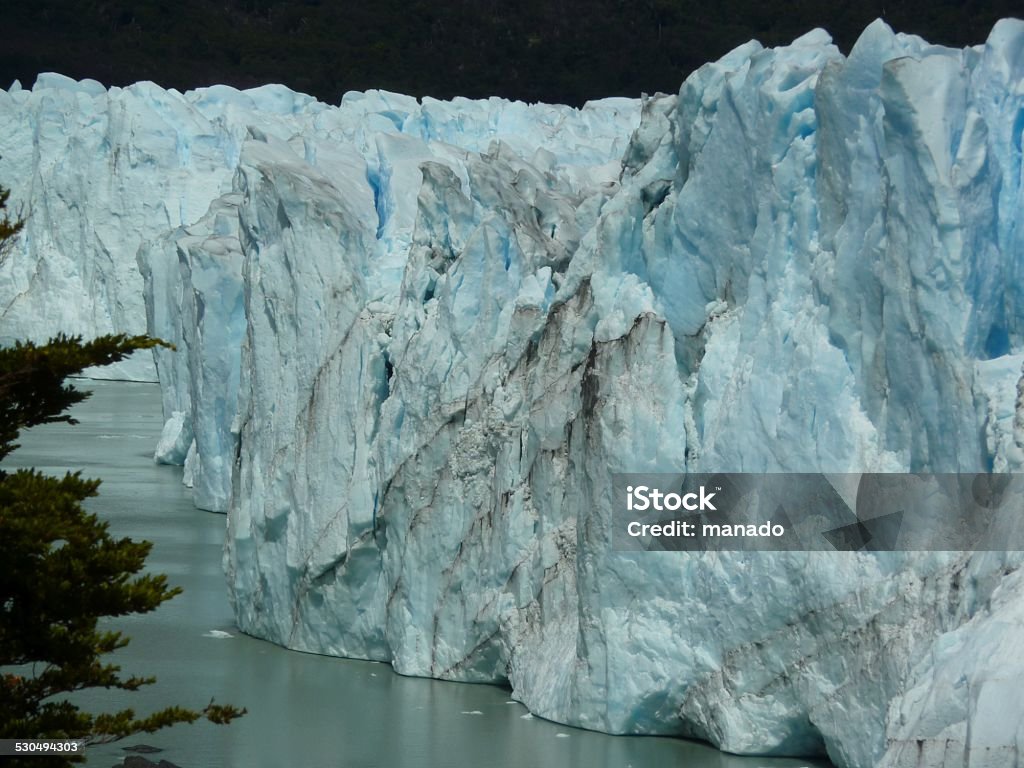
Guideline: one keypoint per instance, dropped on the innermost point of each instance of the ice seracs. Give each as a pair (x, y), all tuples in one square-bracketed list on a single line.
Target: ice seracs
[(415, 340)]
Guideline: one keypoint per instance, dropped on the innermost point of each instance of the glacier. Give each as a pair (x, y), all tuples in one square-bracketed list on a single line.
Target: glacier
[(416, 338)]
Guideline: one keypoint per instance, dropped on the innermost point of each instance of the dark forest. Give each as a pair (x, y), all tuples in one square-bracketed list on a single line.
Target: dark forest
[(564, 51)]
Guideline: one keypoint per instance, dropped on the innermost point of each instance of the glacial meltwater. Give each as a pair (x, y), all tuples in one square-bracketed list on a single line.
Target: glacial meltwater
[(304, 711)]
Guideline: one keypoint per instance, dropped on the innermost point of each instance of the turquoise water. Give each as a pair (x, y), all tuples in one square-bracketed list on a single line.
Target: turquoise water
[(304, 710)]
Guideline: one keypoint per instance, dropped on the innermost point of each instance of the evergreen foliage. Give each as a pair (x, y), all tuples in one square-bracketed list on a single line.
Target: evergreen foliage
[(61, 571), (8, 228)]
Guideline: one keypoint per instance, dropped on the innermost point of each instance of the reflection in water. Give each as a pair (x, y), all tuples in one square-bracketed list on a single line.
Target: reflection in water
[(304, 710)]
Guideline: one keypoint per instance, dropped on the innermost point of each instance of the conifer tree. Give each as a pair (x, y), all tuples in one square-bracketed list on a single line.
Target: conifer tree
[(61, 570), (8, 228)]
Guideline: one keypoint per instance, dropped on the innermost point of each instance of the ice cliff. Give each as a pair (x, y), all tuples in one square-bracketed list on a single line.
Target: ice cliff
[(416, 339), (98, 173)]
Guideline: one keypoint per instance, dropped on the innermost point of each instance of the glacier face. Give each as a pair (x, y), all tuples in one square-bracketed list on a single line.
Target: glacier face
[(416, 339), (809, 263), (362, 167), (98, 173)]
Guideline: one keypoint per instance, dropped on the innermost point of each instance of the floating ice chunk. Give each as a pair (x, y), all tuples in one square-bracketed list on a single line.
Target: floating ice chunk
[(175, 439)]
